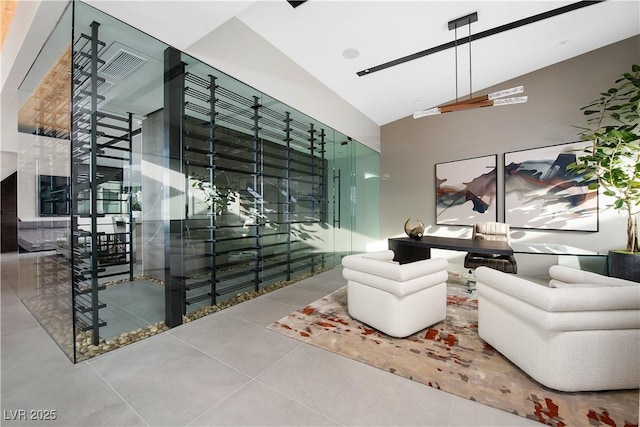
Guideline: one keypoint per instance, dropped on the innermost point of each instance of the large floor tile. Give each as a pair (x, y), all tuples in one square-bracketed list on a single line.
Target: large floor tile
[(245, 346), (268, 408), (325, 283), (16, 318), (260, 311), (8, 293), (353, 393), (120, 320), (467, 413), (294, 296), (167, 381), (79, 398), (131, 293), (29, 358)]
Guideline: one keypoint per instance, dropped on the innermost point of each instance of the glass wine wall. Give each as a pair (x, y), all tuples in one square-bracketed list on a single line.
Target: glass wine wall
[(255, 188)]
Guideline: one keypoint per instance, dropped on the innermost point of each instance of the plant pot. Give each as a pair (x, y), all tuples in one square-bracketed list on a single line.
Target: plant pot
[(624, 265)]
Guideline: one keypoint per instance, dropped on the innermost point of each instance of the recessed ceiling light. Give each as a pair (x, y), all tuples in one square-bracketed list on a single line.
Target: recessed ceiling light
[(351, 53)]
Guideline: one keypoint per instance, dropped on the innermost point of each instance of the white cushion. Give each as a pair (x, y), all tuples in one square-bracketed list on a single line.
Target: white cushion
[(578, 278)]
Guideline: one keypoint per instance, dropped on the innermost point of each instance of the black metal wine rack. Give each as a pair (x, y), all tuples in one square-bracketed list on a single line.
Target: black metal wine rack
[(101, 218), (267, 175)]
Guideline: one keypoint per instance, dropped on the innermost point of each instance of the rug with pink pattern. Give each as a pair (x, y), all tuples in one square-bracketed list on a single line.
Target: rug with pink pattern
[(451, 357)]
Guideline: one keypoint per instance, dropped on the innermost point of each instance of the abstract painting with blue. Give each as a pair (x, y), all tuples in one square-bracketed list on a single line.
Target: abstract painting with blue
[(466, 191), (541, 192)]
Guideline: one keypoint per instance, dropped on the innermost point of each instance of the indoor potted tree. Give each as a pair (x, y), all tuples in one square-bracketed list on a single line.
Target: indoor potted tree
[(614, 159)]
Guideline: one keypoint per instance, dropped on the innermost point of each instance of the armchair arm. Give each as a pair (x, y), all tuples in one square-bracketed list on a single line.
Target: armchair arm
[(397, 272), (566, 277), (561, 300), (386, 255)]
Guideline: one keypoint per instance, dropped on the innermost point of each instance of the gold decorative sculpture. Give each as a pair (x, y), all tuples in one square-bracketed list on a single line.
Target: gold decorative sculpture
[(414, 233)]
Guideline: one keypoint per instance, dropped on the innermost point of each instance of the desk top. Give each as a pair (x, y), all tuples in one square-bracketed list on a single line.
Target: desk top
[(552, 249), (456, 244)]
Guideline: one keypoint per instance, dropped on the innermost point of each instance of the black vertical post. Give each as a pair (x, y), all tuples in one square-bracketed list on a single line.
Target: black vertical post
[(212, 178), (312, 148), (131, 232), (174, 294), (322, 191), (257, 203), (73, 196), (93, 174), (287, 140)]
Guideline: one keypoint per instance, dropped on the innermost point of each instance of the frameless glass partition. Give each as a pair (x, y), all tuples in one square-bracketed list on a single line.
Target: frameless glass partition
[(365, 197), (175, 189), (117, 82), (44, 214), (255, 171)]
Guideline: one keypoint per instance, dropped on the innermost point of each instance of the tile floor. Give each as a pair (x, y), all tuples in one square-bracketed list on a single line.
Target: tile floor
[(131, 306), (224, 369)]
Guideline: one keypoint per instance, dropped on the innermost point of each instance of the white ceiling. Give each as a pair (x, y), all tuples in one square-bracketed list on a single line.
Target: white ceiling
[(315, 35)]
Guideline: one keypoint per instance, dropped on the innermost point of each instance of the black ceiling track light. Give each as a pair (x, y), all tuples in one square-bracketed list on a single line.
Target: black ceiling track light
[(295, 4), (478, 36)]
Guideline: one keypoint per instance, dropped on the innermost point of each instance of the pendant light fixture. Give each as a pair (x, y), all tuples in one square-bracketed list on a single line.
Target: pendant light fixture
[(502, 97)]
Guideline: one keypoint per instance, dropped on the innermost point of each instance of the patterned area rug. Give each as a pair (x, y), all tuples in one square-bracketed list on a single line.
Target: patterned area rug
[(451, 357)]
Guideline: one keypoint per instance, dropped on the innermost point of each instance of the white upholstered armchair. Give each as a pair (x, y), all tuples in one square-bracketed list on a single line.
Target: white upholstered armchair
[(582, 334), (396, 299)]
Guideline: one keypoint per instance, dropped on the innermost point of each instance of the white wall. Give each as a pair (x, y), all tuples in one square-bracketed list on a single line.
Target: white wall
[(411, 148)]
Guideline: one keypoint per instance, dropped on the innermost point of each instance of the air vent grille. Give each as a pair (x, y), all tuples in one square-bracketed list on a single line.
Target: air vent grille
[(122, 64)]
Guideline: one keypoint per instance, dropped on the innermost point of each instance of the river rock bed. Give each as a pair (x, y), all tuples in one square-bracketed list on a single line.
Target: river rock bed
[(86, 349)]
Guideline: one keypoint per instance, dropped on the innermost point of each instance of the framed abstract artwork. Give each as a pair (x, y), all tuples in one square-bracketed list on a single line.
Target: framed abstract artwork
[(466, 191), (540, 192)]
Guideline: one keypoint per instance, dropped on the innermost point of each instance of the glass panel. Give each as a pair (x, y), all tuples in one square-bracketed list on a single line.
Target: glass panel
[(256, 192), (43, 188), (343, 202), (366, 197), (117, 87)]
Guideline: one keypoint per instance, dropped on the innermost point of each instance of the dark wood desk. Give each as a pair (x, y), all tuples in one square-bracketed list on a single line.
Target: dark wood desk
[(408, 250)]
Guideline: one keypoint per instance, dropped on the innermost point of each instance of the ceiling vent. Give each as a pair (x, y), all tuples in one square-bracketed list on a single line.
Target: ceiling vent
[(121, 65)]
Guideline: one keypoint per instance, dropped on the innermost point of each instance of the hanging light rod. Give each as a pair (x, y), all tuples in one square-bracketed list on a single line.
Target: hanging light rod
[(478, 36), (489, 100), (502, 97)]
